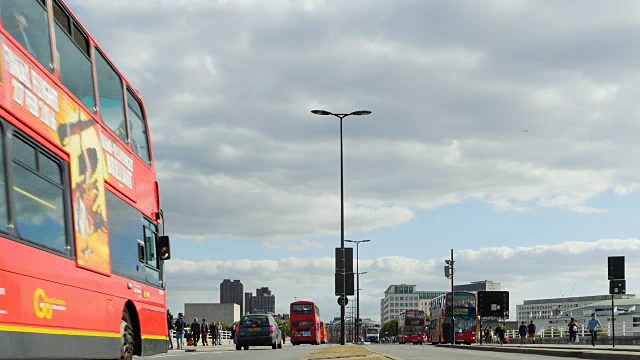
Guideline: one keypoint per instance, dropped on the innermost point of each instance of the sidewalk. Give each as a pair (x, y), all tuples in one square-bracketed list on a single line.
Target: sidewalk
[(601, 352), (226, 346), (347, 352)]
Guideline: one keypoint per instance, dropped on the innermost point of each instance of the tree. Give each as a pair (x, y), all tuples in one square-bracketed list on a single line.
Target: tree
[(284, 326), (389, 328)]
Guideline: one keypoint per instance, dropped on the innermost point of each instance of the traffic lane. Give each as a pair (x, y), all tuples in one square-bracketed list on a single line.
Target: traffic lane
[(409, 351), (288, 352)]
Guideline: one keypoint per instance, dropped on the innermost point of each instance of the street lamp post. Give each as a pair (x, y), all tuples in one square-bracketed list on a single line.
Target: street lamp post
[(343, 292), (357, 242)]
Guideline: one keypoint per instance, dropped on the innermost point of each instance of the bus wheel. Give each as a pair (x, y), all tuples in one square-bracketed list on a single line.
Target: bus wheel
[(126, 337)]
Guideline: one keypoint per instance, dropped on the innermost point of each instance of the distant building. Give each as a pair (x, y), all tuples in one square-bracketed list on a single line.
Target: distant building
[(248, 308), (398, 298), (556, 307), (227, 313), (232, 292), (264, 301), (484, 285), (555, 313)]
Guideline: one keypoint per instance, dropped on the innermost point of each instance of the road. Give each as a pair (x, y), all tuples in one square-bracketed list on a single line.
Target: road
[(410, 352), (288, 352)]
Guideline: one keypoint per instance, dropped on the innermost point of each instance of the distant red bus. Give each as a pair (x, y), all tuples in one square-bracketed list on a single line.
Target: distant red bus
[(81, 255), (304, 321), (466, 319), (412, 326)]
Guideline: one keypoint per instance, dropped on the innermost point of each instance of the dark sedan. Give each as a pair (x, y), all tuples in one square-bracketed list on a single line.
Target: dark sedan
[(258, 330)]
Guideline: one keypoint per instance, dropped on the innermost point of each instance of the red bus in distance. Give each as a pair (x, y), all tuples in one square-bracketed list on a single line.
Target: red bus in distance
[(466, 318), (81, 229), (304, 322), (412, 325)]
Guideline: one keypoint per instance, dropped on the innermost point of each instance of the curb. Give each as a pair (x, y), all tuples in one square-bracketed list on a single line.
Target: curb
[(577, 353)]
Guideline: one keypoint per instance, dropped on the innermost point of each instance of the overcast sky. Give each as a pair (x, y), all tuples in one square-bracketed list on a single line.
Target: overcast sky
[(506, 130)]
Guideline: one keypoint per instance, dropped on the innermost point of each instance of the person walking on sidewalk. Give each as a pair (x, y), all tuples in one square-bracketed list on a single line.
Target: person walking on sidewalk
[(593, 325), (573, 331), (214, 333), (180, 325), (170, 327), (522, 331), (195, 330), (532, 332), (204, 331)]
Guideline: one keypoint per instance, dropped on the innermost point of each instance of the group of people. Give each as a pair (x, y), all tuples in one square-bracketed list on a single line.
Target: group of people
[(193, 333), (498, 334), (527, 331), (530, 331), (593, 325)]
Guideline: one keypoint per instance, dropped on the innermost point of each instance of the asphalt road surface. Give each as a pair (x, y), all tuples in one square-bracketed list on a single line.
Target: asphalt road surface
[(406, 352), (410, 352), (288, 352)]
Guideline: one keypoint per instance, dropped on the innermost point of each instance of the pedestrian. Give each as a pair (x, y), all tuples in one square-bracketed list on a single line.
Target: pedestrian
[(195, 331), (220, 329), (233, 334), (573, 330), (170, 327), (500, 334), (204, 332), (593, 325), (522, 331), (532, 332), (213, 328), (180, 325)]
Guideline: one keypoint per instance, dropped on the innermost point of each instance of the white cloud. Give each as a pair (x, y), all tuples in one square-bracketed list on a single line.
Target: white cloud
[(527, 272)]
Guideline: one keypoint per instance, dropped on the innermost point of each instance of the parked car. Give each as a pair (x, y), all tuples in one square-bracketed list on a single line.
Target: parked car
[(258, 330)]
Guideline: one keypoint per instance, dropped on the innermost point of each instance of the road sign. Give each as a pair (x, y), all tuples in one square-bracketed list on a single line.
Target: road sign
[(343, 299), (349, 288)]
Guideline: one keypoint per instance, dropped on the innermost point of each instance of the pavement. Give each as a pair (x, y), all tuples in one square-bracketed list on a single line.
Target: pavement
[(600, 352), (347, 352)]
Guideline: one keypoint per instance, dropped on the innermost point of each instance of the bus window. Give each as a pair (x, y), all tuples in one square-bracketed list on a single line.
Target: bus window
[(39, 203), (27, 22), (138, 127), (111, 97), (73, 55), (124, 235), (4, 219)]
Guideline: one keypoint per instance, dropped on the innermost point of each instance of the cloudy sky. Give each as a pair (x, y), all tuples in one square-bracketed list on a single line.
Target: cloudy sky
[(505, 130)]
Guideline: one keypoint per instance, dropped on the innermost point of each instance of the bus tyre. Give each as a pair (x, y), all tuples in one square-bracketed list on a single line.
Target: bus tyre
[(238, 347), (127, 337)]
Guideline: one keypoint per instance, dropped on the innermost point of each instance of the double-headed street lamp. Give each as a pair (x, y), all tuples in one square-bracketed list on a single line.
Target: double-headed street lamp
[(357, 242), (343, 292)]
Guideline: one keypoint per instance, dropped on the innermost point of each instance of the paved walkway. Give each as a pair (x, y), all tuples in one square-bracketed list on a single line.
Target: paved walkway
[(346, 352), (600, 352)]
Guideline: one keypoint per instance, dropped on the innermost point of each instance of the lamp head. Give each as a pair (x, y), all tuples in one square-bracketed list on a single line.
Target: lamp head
[(321, 112), (361, 112)]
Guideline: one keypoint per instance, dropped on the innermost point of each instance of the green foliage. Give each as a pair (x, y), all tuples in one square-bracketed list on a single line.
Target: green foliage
[(284, 326), (389, 328)]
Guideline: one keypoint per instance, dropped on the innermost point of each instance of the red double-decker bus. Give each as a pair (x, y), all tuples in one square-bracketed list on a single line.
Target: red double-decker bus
[(81, 260), (412, 325), (304, 322), (465, 315)]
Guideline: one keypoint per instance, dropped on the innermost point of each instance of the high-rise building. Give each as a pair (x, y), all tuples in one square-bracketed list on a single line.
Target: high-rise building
[(264, 301), (248, 308), (485, 285), (398, 298), (232, 292)]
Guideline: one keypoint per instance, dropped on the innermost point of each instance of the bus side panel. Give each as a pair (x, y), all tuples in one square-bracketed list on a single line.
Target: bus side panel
[(39, 315)]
